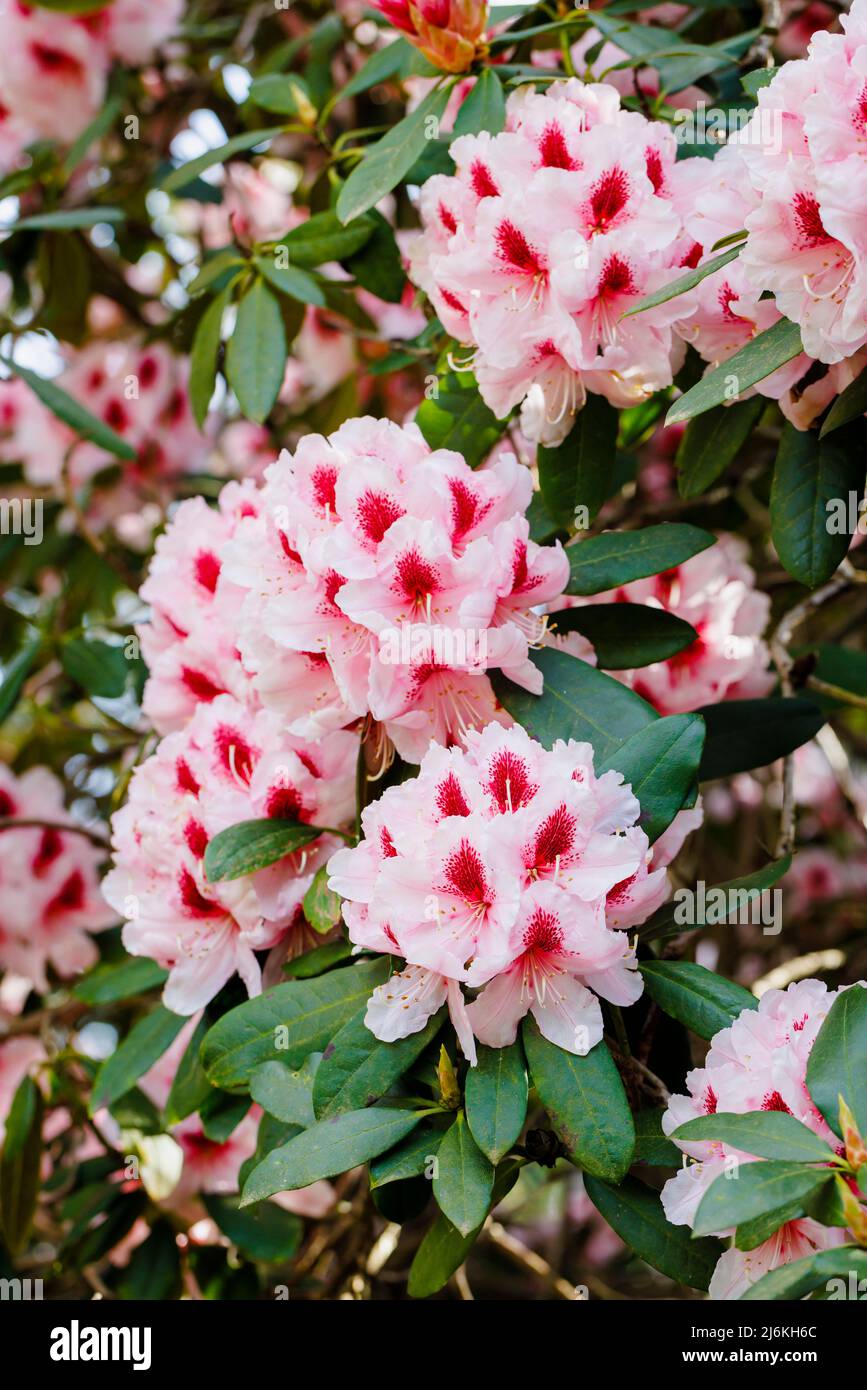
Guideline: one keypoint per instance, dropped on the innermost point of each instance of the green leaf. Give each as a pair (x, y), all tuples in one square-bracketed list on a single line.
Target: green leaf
[(317, 961), (106, 984), (323, 237), (758, 359), (144, 1045), (330, 1147), (99, 668), (578, 702), (617, 557), (796, 1280), (378, 266), (753, 82), (626, 635), (837, 1065), (16, 673), (696, 997), (751, 1234), (268, 1233), (357, 1069), (286, 1094), (252, 845), (757, 1189), (652, 1146), (256, 352), (635, 1212), (291, 281), (762, 1133), (226, 262), (278, 92), (660, 762), (577, 472), (712, 441), (178, 178), (444, 1249), (321, 905), (67, 219), (496, 1099), (99, 126), (204, 355), (391, 158), (457, 418), (684, 283), (463, 1178), (20, 1163), (287, 1023), (155, 1273), (408, 1159), (849, 405), (221, 1113), (718, 904), (393, 60), (743, 734), (61, 404), (484, 108), (810, 475), (585, 1099), (190, 1087)]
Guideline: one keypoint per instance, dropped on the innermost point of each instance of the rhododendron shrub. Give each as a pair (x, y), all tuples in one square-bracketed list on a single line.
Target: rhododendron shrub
[(432, 663)]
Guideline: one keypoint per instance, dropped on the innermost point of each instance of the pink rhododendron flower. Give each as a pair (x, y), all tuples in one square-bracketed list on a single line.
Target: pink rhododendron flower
[(508, 869), (228, 765), (546, 235), (715, 592), (49, 882), (398, 577), (759, 1063), (190, 643), (54, 67)]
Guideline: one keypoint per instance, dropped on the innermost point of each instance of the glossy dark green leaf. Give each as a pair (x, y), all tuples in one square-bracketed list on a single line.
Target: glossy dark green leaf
[(626, 635), (577, 702), (717, 904), (762, 1133), (155, 1273), (496, 1099), (357, 1069), (286, 1094), (759, 358), (252, 845), (330, 1147), (266, 1233), (384, 164), (810, 475), (484, 108), (457, 418), (635, 1212), (378, 266), (145, 1044), (849, 405), (321, 905), (16, 673), (444, 1249), (801, 1277), (758, 1188), (651, 1145), (19, 1164), (837, 1065), (106, 984), (317, 961), (660, 762), (287, 1023), (98, 667), (713, 441), (411, 1158), (695, 996), (576, 473), (585, 1099), (323, 237), (743, 734), (204, 355), (463, 1178), (292, 281), (617, 557), (256, 352), (190, 1086)]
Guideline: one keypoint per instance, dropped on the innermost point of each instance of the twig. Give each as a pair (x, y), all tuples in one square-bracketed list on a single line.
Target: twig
[(528, 1260), (96, 837)]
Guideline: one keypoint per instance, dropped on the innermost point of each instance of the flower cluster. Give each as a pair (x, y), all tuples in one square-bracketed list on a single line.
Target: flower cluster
[(511, 870), (759, 1063), (541, 241), (228, 765), (393, 578), (49, 882), (54, 67), (715, 592), (139, 391)]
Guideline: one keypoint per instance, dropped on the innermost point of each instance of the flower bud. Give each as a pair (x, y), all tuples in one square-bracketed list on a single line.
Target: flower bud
[(447, 31)]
